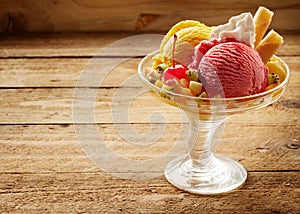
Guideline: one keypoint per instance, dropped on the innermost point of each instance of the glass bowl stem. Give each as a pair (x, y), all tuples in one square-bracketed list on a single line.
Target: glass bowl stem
[(201, 171)]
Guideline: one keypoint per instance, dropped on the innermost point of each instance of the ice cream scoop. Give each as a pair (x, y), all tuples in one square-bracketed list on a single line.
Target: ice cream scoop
[(229, 60), (232, 69), (189, 34)]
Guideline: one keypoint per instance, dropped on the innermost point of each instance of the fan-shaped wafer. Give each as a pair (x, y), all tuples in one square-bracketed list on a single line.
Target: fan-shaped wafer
[(262, 20), (269, 45)]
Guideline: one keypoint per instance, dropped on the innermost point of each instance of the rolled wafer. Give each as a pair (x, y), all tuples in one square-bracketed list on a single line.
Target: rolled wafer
[(262, 20), (269, 45)]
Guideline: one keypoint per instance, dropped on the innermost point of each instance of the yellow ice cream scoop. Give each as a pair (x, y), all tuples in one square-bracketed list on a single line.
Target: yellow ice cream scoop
[(189, 33)]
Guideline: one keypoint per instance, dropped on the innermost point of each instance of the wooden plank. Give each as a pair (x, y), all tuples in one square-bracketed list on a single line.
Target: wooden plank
[(122, 44), (44, 169), (129, 15), (57, 148), (76, 44), (100, 193), (61, 72), (50, 105), (62, 44)]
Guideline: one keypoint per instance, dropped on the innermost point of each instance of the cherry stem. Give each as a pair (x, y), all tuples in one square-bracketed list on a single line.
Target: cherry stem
[(173, 50)]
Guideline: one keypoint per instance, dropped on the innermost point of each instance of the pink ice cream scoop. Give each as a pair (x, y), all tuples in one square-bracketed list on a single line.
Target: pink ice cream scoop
[(230, 69)]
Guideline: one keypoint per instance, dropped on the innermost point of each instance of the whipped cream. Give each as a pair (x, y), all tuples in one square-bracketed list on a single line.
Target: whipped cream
[(239, 27)]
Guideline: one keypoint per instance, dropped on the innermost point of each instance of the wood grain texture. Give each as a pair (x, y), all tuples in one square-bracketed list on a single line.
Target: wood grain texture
[(59, 72), (44, 168), (89, 44), (55, 106), (130, 15), (97, 192), (55, 148)]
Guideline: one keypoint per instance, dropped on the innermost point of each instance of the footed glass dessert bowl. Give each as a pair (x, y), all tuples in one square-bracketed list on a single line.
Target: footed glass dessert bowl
[(201, 171)]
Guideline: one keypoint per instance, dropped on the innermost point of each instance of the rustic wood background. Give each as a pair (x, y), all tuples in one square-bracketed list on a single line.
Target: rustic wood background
[(44, 170), (133, 15), (45, 45)]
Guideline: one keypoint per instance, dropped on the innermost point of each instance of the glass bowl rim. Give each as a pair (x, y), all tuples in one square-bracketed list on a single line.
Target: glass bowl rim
[(262, 94)]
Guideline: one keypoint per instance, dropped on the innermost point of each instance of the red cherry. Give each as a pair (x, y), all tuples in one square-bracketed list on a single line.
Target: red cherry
[(178, 72)]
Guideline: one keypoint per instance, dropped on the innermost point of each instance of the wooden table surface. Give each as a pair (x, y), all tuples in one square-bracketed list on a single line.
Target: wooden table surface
[(44, 168)]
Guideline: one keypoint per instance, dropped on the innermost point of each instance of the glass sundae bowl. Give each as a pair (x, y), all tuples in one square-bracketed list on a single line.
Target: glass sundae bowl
[(201, 171)]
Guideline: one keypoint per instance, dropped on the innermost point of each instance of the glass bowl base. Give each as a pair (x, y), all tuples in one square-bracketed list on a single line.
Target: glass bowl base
[(222, 175)]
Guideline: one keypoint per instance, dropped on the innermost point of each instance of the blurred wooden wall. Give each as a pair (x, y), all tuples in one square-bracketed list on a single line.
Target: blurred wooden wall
[(133, 15)]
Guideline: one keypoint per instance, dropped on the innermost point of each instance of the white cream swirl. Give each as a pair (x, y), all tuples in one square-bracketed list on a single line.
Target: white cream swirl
[(239, 27)]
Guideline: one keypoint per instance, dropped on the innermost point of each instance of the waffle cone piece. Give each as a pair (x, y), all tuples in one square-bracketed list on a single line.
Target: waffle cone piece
[(262, 20), (269, 45)]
